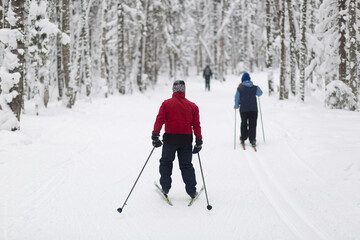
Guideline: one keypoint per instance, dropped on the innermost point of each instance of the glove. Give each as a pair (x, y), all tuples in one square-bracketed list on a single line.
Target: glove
[(155, 140), (198, 146)]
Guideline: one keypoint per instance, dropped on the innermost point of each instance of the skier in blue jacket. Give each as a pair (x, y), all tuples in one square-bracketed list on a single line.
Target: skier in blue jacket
[(245, 97)]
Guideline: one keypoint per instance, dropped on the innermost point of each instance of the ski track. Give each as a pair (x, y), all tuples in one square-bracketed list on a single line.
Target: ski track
[(290, 213)]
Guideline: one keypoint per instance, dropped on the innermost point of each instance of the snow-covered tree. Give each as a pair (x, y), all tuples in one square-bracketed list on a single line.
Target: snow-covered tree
[(11, 71)]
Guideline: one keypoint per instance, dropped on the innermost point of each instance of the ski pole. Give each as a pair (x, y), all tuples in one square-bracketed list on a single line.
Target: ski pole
[(209, 207), (262, 125), (120, 209), (235, 131)]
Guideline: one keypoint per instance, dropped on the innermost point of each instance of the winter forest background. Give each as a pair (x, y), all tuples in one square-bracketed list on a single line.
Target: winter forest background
[(65, 50)]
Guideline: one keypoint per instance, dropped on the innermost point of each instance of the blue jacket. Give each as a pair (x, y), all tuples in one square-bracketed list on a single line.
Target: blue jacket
[(246, 97)]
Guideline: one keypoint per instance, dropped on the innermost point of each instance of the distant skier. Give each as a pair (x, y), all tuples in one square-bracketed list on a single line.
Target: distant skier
[(246, 97), (207, 73), (181, 118)]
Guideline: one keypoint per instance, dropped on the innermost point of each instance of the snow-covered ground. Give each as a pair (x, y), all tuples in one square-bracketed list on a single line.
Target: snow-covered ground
[(67, 171)]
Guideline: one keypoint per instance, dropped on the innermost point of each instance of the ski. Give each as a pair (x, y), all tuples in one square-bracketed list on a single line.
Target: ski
[(196, 197), (164, 195)]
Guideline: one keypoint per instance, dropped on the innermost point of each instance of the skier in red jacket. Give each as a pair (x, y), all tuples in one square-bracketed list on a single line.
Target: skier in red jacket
[(181, 119)]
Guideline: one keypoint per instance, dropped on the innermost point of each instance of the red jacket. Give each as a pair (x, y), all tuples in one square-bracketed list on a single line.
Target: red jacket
[(179, 115)]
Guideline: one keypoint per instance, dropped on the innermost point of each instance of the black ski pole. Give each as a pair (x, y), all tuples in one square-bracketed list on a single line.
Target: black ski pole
[(120, 209), (209, 207)]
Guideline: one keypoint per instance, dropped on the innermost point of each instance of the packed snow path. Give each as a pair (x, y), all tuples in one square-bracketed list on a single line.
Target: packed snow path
[(67, 171)]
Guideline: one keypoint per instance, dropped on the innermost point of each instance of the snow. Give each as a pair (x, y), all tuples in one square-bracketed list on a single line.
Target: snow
[(67, 171)]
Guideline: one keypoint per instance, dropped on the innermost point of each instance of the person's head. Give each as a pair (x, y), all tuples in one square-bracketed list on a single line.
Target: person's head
[(179, 86), (245, 77)]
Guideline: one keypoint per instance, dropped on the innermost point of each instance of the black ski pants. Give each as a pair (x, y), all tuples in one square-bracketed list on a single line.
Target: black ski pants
[(248, 125), (184, 154), (207, 83)]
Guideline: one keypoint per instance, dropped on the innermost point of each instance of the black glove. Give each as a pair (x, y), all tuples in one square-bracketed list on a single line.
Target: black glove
[(198, 146), (155, 140)]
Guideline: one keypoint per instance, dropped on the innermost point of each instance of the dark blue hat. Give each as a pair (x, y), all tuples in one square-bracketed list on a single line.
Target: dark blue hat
[(245, 77)]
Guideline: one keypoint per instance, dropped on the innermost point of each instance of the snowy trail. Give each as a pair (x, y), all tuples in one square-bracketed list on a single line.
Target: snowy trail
[(65, 174)]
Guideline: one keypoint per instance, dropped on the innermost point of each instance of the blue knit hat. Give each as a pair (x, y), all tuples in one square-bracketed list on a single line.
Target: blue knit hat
[(245, 77), (179, 86)]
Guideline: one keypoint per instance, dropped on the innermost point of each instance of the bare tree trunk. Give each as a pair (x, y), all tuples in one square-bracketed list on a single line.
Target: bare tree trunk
[(283, 55), (358, 47), (86, 48), (103, 61), (269, 47), (342, 47), (246, 40), (215, 30), (303, 50), (70, 95), (60, 73), (121, 48), (293, 53), (352, 50)]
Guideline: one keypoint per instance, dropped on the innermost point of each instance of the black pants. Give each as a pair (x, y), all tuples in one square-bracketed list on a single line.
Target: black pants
[(248, 126), (184, 154), (207, 83)]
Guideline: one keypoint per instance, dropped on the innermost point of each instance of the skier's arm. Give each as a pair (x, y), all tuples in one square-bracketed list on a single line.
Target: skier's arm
[(258, 92), (237, 100), (160, 120), (196, 124)]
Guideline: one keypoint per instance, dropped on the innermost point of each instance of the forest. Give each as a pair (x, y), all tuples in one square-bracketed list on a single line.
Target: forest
[(66, 50)]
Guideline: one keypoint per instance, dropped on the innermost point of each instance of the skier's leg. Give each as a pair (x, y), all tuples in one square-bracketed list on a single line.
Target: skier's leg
[(208, 83), (252, 126), (244, 126), (166, 165), (187, 169)]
